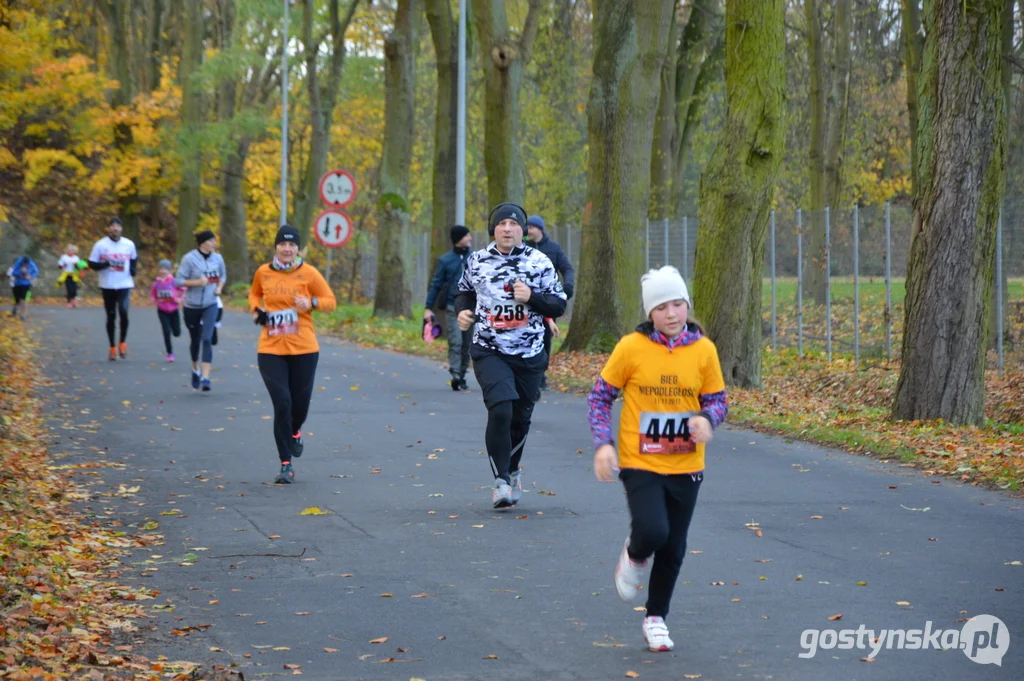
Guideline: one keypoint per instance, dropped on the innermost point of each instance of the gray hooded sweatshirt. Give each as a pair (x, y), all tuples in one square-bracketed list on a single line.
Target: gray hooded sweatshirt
[(195, 265)]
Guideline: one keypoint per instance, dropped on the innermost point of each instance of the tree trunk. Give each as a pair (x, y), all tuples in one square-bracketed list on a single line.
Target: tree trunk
[(504, 62), (961, 170), (1007, 90), (693, 81), (814, 277), (234, 240), (117, 14), (191, 120), (665, 132), (394, 297), (323, 95), (446, 50), (156, 43), (629, 45), (838, 106), (913, 43), (737, 186)]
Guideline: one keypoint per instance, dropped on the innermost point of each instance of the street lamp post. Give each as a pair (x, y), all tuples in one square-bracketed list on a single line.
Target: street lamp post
[(284, 119), (460, 128)]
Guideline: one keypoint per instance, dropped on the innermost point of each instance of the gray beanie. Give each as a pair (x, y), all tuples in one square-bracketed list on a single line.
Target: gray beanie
[(164, 264)]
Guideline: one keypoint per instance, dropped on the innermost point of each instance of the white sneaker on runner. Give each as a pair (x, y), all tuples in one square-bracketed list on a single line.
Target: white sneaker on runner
[(502, 494), (517, 485), (656, 635), (629, 575)]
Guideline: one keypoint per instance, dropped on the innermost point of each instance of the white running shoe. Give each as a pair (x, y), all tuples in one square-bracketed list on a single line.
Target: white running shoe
[(502, 494), (656, 635), (517, 485), (629, 575)]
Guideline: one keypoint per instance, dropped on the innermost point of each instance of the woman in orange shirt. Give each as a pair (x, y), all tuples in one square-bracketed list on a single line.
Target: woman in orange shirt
[(282, 298)]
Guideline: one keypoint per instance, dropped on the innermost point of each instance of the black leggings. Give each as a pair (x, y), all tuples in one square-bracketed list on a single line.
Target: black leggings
[(289, 380), (508, 424), (170, 322), (71, 288), (661, 507), (116, 301), (200, 322)]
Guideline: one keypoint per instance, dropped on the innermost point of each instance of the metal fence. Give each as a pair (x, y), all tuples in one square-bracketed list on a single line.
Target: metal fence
[(861, 311)]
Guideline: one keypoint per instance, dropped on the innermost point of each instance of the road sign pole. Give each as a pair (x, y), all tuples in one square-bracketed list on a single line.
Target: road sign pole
[(330, 251)]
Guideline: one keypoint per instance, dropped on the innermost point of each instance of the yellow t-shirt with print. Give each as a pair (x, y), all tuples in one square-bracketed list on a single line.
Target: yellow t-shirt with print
[(660, 388)]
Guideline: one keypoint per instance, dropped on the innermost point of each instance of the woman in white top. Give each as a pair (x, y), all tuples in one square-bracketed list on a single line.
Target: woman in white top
[(69, 273)]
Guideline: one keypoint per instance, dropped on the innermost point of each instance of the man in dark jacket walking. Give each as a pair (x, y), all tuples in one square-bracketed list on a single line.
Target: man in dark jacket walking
[(446, 277), (543, 243)]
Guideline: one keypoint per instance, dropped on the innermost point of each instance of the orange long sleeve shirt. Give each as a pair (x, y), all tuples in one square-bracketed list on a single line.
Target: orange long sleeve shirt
[(289, 330)]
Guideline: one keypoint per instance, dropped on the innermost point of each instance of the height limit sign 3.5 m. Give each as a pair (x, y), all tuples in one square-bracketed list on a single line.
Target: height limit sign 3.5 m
[(337, 188)]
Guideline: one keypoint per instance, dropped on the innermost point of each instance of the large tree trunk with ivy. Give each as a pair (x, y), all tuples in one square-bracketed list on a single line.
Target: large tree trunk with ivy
[(913, 44), (630, 39), (118, 16), (505, 58), (961, 172), (394, 297), (191, 120), (445, 36), (737, 186), (322, 89)]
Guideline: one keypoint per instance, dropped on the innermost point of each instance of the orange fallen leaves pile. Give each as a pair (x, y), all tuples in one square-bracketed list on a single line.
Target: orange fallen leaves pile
[(62, 615)]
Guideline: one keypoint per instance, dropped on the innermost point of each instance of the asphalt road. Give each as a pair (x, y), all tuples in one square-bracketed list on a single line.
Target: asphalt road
[(411, 554)]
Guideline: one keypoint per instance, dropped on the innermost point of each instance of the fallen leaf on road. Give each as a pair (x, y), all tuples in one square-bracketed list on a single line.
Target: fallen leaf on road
[(862, 583), (1014, 562), (609, 645), (696, 553), (216, 430), (692, 676), (490, 657), (301, 614), (422, 595), (902, 602), (477, 525), (867, 659), (632, 675), (292, 666), (640, 608), (833, 618), (281, 648), (331, 650), (313, 510), (926, 508), (816, 517), (763, 560), (382, 639), (387, 595), (274, 536)]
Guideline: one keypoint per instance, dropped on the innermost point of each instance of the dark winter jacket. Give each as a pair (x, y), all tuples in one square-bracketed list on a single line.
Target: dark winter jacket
[(561, 262), (446, 276)]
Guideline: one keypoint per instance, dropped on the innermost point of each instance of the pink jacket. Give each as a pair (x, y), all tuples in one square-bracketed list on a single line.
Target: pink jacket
[(166, 294)]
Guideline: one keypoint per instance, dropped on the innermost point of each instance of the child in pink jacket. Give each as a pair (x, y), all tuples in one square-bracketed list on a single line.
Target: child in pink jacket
[(167, 295)]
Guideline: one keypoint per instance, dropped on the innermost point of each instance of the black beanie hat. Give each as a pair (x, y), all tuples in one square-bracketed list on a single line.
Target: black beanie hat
[(287, 233), (204, 236), (458, 232), (506, 211)]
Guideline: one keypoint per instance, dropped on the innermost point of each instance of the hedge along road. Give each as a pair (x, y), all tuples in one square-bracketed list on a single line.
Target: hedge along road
[(412, 574)]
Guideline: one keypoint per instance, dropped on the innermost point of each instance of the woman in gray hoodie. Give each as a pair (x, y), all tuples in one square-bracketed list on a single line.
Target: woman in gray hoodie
[(203, 274)]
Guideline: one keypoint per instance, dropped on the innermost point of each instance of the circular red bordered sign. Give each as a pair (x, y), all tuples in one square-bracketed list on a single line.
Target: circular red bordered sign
[(333, 228), (337, 188)]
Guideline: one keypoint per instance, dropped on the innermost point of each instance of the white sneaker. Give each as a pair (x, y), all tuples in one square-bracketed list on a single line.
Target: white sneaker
[(517, 485), (629, 575), (502, 494), (656, 635)]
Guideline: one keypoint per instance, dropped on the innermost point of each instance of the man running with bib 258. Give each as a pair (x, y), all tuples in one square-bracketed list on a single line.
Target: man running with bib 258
[(508, 288)]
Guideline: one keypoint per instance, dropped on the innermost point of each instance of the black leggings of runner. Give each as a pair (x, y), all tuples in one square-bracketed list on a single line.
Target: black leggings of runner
[(661, 508), (71, 288), (115, 302), (289, 380), (200, 322), (170, 323), (508, 424)]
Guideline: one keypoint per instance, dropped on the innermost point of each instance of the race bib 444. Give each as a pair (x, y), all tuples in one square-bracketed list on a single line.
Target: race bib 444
[(282, 323), (666, 433)]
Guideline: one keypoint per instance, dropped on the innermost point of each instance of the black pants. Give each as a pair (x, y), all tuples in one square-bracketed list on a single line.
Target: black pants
[(71, 288), (116, 302), (661, 507), (510, 384), (170, 322), (289, 380), (201, 323)]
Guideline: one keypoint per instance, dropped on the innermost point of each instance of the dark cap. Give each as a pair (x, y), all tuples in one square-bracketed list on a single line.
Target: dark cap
[(458, 233), (204, 236), (287, 233), (506, 211)]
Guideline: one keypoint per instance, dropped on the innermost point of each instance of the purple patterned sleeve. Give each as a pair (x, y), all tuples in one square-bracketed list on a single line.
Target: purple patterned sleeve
[(714, 407), (599, 412)]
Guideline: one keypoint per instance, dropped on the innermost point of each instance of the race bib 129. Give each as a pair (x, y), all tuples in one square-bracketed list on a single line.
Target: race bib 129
[(665, 433), (282, 323)]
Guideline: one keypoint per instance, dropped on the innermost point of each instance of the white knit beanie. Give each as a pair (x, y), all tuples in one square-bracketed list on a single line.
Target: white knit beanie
[(662, 285)]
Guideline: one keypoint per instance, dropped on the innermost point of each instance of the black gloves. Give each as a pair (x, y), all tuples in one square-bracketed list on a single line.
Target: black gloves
[(261, 317)]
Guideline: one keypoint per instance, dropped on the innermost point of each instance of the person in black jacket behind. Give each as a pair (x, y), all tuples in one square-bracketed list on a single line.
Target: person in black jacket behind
[(543, 243), (446, 277)]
